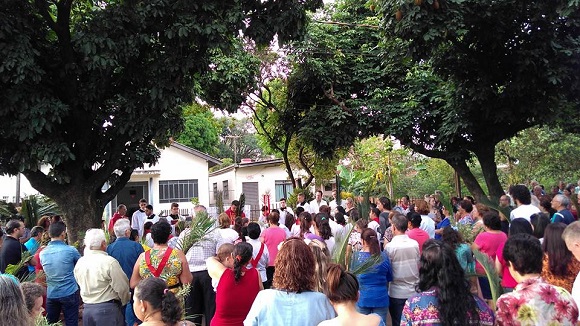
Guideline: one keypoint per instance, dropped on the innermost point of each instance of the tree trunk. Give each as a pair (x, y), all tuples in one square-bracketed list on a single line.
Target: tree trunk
[(486, 157), (468, 178), (82, 211)]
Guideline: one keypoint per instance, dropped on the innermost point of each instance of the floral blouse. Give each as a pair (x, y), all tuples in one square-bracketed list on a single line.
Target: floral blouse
[(423, 309), (535, 302), (565, 281), (171, 271)]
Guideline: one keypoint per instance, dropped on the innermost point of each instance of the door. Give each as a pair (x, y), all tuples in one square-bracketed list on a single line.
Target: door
[(250, 189), (131, 194)]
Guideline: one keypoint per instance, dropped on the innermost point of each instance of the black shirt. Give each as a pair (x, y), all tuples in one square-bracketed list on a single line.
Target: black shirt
[(10, 254)]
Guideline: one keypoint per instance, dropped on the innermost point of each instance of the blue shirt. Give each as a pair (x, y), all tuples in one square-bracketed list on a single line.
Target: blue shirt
[(444, 223), (58, 261), (126, 252), (374, 290), (32, 245), (563, 216)]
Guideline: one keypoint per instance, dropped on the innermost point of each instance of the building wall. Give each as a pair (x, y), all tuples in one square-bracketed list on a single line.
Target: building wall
[(8, 188)]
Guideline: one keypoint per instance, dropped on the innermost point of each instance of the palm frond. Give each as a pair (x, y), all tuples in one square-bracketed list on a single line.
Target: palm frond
[(201, 225), (242, 204), (13, 269), (341, 247), (365, 266), (491, 274), (42, 321)]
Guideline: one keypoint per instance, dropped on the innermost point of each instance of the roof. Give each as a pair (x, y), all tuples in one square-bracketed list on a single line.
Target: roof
[(272, 162), (210, 159)]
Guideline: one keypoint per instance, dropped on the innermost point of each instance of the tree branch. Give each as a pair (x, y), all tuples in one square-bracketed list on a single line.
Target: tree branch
[(330, 95), (43, 10), (305, 167)]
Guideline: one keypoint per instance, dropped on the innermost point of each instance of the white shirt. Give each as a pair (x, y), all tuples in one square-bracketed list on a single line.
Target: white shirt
[(315, 206), (576, 291), (228, 235), (375, 227), (524, 211), (306, 207), (428, 225), (332, 205), (283, 213), (137, 221), (264, 260)]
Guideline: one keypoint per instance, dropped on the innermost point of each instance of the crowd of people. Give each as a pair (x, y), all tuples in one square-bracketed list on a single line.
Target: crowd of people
[(319, 263)]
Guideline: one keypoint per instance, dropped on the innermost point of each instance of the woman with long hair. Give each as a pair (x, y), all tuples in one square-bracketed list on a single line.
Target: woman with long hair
[(444, 297), (559, 265), (236, 289), (464, 255), (162, 261), (292, 300), (272, 237), (12, 306), (374, 283), (321, 259), (155, 305), (305, 224), (342, 290)]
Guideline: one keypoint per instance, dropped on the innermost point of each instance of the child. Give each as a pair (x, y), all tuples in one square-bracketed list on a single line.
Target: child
[(224, 256)]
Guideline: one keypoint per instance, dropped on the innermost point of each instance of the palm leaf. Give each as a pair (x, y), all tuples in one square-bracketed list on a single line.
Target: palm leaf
[(341, 247), (201, 225), (491, 274), (242, 204)]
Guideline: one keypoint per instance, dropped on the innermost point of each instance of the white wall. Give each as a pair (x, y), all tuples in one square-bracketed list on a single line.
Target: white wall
[(8, 188)]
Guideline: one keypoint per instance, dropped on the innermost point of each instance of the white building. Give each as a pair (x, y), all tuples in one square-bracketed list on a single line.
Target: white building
[(9, 186), (254, 179)]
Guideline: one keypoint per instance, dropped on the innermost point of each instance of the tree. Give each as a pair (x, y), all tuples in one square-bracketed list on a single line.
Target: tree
[(92, 90), (479, 72), (200, 129), (238, 139)]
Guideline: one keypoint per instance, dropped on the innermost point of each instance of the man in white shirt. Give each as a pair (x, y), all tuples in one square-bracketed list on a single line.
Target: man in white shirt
[(317, 202), (102, 282), (284, 210), (404, 255), (301, 202), (138, 218), (571, 236), (333, 203), (524, 208)]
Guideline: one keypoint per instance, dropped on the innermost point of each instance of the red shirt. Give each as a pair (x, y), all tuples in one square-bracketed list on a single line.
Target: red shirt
[(114, 219), (418, 235), (232, 215)]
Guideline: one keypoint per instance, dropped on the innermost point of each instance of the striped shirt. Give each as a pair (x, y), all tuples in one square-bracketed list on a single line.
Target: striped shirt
[(404, 255)]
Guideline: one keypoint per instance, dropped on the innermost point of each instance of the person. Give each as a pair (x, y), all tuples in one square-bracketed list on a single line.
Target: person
[(463, 252), (342, 289), (403, 254), (374, 282), (237, 288), (524, 208), (559, 265), (354, 240), (292, 300), (138, 218), (33, 294), (234, 210), (322, 230), (225, 256), (150, 216), (227, 234), (463, 215), (507, 281), (162, 261), (156, 305), (200, 302), (119, 214), (533, 301), (321, 261), (539, 223), (505, 201), (374, 214), (427, 223), (284, 211), (487, 242), (58, 261), (12, 306), (571, 236), (317, 202), (444, 297), (126, 252), (414, 230), (272, 237), (12, 249), (560, 203), (260, 253), (103, 286), (301, 202), (34, 243), (334, 202), (174, 217)]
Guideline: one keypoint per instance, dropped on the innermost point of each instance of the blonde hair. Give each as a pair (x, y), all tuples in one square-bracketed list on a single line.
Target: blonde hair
[(224, 251), (224, 221), (321, 261)]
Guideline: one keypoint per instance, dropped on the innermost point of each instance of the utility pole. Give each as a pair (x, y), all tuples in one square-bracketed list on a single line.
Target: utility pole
[(235, 138)]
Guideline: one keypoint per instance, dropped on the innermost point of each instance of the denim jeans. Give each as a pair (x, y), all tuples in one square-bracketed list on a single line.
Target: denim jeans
[(396, 309), (130, 318), (69, 305), (381, 311)]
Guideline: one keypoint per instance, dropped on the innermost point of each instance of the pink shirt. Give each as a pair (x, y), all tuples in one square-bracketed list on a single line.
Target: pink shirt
[(418, 235), (507, 280), (488, 243), (272, 238)]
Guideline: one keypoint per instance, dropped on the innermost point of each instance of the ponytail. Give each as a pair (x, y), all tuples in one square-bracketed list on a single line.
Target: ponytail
[(341, 286), (370, 238), (242, 254), (170, 308)]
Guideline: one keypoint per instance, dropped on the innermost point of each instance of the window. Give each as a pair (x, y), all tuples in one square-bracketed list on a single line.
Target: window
[(225, 190), (177, 190), (215, 190), (283, 189)]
